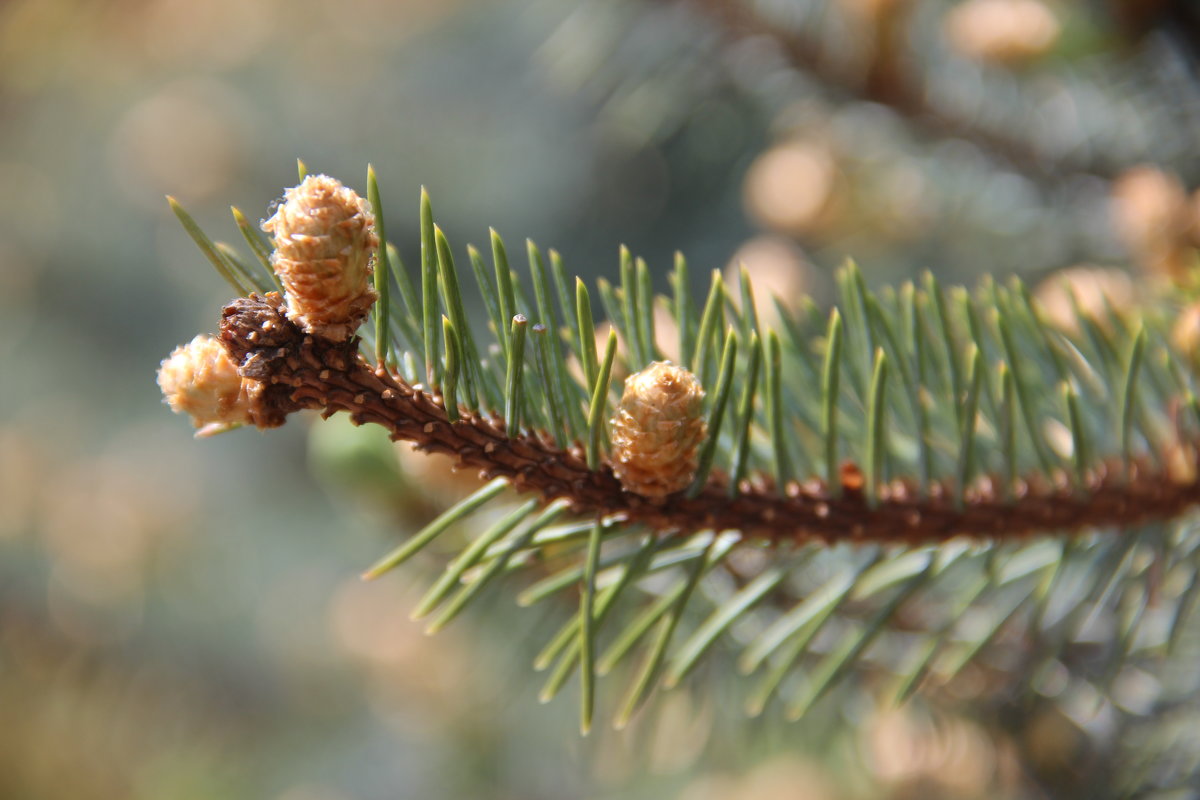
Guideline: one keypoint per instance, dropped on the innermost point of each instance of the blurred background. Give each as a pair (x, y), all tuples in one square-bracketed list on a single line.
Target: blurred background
[(183, 619)]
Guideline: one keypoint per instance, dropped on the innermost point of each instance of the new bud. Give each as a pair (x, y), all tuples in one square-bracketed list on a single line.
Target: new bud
[(201, 380), (324, 242), (657, 430)]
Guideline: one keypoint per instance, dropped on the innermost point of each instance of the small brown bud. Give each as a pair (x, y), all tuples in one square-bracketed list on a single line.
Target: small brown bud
[(324, 242), (201, 380), (657, 430)]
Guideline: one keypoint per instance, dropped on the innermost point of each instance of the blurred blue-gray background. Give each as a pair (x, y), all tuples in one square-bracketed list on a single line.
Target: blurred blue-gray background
[(183, 619)]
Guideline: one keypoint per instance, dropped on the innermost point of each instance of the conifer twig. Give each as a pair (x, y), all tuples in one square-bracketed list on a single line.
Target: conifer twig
[(302, 371), (881, 84)]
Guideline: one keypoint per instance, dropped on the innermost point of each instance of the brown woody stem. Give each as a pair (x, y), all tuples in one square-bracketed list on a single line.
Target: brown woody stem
[(301, 371), (884, 81)]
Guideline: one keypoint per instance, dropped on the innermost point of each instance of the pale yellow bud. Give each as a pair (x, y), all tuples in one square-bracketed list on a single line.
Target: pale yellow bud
[(1154, 218), (324, 242), (792, 188), (777, 269), (1002, 31), (657, 430), (1186, 333), (201, 380), (1094, 291), (1181, 463)]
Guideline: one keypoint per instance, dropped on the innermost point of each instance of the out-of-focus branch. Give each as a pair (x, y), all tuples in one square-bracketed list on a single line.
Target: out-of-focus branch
[(885, 80)]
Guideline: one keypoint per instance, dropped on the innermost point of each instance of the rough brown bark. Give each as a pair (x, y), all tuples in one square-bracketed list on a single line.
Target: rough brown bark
[(301, 371)]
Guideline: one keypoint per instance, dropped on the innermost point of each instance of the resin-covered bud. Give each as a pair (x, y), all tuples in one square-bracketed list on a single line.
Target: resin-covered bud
[(657, 430), (325, 239)]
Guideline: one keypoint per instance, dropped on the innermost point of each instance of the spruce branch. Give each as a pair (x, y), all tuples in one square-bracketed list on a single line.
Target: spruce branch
[(926, 454), (882, 69), (303, 371)]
